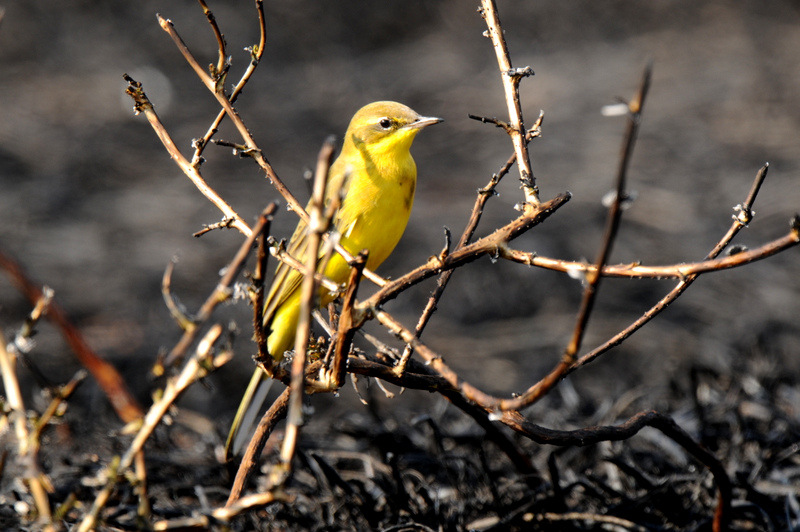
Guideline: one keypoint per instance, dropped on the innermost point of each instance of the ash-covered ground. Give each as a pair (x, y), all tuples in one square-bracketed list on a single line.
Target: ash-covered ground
[(93, 207)]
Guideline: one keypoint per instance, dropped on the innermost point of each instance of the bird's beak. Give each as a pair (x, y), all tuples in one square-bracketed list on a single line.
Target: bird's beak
[(424, 121)]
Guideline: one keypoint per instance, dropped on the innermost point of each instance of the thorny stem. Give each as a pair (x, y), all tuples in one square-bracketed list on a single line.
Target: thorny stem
[(592, 283), (637, 271), (317, 226), (222, 291), (511, 78), (475, 216), (740, 221)]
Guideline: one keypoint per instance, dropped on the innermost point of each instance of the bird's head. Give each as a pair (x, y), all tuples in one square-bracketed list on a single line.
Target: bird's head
[(386, 127)]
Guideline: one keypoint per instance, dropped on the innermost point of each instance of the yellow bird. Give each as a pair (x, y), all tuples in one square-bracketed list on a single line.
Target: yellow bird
[(375, 176), (379, 177)]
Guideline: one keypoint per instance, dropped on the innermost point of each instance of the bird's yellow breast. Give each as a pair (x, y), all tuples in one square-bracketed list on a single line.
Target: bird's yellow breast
[(380, 180)]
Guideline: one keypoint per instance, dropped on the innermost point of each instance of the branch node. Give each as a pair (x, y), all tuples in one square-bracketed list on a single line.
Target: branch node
[(135, 91), (225, 223), (795, 225), (735, 250), (743, 214), (446, 249), (519, 72)]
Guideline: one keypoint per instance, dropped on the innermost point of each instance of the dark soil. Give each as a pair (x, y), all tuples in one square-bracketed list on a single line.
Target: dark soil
[(91, 205)]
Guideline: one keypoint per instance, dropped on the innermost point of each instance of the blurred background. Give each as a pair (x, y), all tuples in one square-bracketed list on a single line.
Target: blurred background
[(92, 205)]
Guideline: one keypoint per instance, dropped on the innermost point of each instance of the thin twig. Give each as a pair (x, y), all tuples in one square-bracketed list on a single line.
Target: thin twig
[(225, 223), (222, 291), (488, 245), (472, 224), (252, 148), (317, 226), (142, 105), (278, 250), (177, 311), (59, 397), (198, 366), (347, 323), (668, 271), (104, 373), (511, 78), (234, 117), (140, 488), (592, 283), (223, 515), (256, 52), (471, 392), (740, 221), (259, 275), (27, 448), (222, 62)]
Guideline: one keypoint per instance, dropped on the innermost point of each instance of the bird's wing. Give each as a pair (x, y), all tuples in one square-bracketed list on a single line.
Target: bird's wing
[(287, 280)]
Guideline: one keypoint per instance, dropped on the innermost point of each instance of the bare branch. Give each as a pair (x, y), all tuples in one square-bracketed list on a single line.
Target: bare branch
[(638, 271), (488, 245), (222, 290), (511, 78), (269, 420), (252, 148), (177, 311), (256, 52), (681, 287), (223, 100), (142, 105), (477, 211), (104, 373), (347, 324), (198, 366), (317, 226), (534, 393), (220, 71)]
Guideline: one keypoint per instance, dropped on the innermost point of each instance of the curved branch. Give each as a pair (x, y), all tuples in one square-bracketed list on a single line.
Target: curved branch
[(252, 148), (423, 377), (222, 291), (142, 105), (488, 245), (637, 271), (256, 52)]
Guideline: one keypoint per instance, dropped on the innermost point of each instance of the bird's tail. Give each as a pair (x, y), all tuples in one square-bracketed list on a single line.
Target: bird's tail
[(251, 403)]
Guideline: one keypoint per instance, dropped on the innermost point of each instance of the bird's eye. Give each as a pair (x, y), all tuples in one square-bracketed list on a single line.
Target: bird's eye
[(386, 123)]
